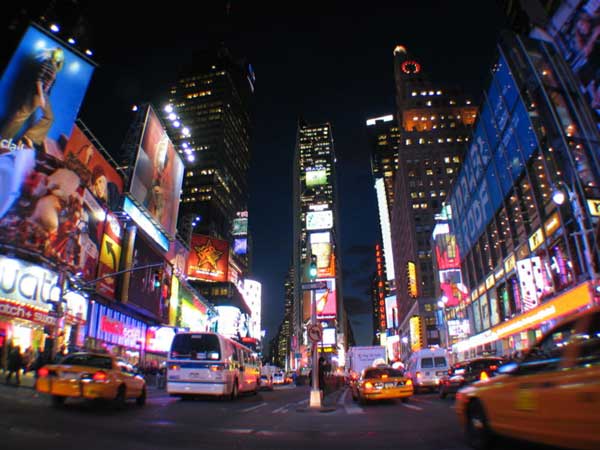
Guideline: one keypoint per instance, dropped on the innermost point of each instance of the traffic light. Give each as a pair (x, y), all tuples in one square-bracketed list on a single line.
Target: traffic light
[(156, 277), (312, 270)]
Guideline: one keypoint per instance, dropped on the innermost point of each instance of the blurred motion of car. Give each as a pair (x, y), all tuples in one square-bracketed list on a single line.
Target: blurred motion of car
[(467, 372), (278, 378), (91, 376), (425, 367), (266, 383), (551, 396), (379, 383)]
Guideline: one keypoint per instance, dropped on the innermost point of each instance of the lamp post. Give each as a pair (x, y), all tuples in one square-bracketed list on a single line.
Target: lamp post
[(559, 197), (315, 392)]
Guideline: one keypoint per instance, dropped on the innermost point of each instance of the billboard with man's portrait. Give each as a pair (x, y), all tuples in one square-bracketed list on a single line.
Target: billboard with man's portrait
[(157, 174)]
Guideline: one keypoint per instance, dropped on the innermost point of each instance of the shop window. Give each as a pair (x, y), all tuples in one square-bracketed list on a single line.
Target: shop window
[(562, 273), (494, 307), (485, 312), (546, 356)]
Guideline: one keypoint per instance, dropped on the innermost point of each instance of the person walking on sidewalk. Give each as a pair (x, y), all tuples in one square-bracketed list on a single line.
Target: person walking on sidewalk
[(14, 365)]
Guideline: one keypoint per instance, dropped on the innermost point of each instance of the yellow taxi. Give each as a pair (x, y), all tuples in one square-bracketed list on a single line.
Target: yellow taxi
[(550, 396), (381, 383), (91, 376)]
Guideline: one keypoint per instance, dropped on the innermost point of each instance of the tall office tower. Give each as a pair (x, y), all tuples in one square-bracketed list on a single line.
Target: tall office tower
[(435, 123), (209, 118), (384, 138), (286, 328), (316, 232)]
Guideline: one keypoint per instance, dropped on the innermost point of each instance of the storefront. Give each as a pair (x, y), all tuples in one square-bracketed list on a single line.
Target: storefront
[(27, 293), (158, 345), (115, 332), (521, 332)]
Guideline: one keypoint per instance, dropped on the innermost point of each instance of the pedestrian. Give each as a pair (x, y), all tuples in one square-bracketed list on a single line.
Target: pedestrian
[(27, 359), (322, 368), (14, 363)]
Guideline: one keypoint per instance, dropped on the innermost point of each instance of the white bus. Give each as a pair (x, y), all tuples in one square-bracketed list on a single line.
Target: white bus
[(204, 363)]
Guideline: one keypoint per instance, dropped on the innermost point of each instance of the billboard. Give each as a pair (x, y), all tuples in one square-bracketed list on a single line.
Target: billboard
[(319, 220), (316, 177), (98, 175), (325, 259), (110, 256), (209, 258), (240, 246), (56, 217), (325, 301), (142, 292), (391, 312), (157, 174), (240, 226), (41, 91)]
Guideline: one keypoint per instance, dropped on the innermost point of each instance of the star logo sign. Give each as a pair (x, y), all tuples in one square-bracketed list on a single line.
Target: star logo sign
[(208, 254)]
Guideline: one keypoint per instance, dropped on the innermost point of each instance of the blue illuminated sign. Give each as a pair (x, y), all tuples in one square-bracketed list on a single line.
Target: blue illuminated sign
[(145, 224)]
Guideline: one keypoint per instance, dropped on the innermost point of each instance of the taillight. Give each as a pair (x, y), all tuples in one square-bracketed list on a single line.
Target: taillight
[(493, 367), (484, 376), (217, 368), (384, 376), (100, 376), (174, 367), (409, 382), (368, 385), (418, 375), (43, 372)]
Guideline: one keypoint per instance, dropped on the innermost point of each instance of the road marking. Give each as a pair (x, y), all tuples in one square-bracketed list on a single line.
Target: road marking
[(302, 402), (254, 407), (343, 397), (417, 408), (353, 409), (282, 409), (238, 430)]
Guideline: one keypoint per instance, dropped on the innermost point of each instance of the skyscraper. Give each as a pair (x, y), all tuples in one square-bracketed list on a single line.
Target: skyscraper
[(316, 232), (435, 124), (209, 112)]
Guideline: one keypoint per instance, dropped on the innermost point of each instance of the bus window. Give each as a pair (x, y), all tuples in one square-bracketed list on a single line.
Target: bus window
[(196, 346)]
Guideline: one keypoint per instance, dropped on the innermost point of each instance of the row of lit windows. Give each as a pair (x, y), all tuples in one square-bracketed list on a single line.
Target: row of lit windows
[(421, 194), (201, 198), (195, 190), (439, 140), (191, 173), (423, 93), (441, 117), (198, 94), (419, 206)]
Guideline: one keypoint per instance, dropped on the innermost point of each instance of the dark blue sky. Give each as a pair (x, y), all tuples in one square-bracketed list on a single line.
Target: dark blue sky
[(325, 61)]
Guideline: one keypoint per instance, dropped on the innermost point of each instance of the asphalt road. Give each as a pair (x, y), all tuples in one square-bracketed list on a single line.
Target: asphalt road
[(277, 419)]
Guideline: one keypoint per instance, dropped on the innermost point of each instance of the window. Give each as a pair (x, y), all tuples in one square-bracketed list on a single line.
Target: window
[(196, 346), (589, 354), (99, 362), (440, 361), (546, 355), (426, 363)]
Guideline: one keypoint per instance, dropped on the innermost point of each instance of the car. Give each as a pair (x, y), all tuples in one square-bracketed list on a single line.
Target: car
[(467, 372), (265, 383), (278, 378), (425, 367), (549, 396), (379, 383), (91, 376)]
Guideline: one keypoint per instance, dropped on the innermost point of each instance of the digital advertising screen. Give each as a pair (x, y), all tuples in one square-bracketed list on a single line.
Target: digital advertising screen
[(41, 91), (240, 226), (209, 258), (391, 311), (240, 246), (319, 220), (316, 177), (142, 291), (110, 256), (326, 301), (158, 174)]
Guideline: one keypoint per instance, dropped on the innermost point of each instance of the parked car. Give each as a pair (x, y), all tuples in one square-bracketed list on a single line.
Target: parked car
[(550, 396), (91, 376), (278, 378), (425, 367), (464, 373), (266, 383), (379, 383)]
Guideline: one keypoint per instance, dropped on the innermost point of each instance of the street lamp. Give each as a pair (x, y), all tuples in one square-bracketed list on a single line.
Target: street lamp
[(559, 197), (315, 392)]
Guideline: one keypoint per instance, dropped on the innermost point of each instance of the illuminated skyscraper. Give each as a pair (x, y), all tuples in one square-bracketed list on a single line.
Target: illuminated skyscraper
[(316, 231), (435, 124)]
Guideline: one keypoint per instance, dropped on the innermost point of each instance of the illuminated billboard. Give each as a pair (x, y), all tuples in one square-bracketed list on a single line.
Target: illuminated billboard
[(391, 312), (317, 238), (145, 224), (411, 269), (209, 258), (316, 177), (416, 333), (325, 259), (325, 301), (110, 256), (41, 91), (157, 174), (240, 246), (240, 226), (319, 220), (55, 217), (328, 336), (100, 177)]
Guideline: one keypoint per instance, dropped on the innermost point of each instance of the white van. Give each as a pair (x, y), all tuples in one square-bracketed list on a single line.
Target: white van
[(425, 367)]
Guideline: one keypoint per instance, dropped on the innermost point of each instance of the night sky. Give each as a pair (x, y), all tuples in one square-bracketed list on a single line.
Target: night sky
[(328, 61)]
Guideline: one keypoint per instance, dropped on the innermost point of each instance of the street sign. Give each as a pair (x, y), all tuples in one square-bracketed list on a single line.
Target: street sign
[(314, 285), (315, 333)]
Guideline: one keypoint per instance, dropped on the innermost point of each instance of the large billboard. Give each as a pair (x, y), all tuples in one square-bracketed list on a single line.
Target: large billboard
[(110, 256), (157, 174), (319, 220), (41, 91), (209, 258), (56, 217), (316, 177), (100, 177)]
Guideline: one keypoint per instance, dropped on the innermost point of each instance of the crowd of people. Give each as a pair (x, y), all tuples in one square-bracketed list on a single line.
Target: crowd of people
[(15, 362)]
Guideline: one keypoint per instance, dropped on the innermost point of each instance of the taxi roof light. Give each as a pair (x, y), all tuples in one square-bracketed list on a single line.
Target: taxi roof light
[(484, 376)]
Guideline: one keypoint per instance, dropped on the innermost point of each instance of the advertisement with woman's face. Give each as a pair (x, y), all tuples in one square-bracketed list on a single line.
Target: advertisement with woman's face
[(158, 174)]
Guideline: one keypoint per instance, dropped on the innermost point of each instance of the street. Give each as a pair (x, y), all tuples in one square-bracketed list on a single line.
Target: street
[(277, 419)]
